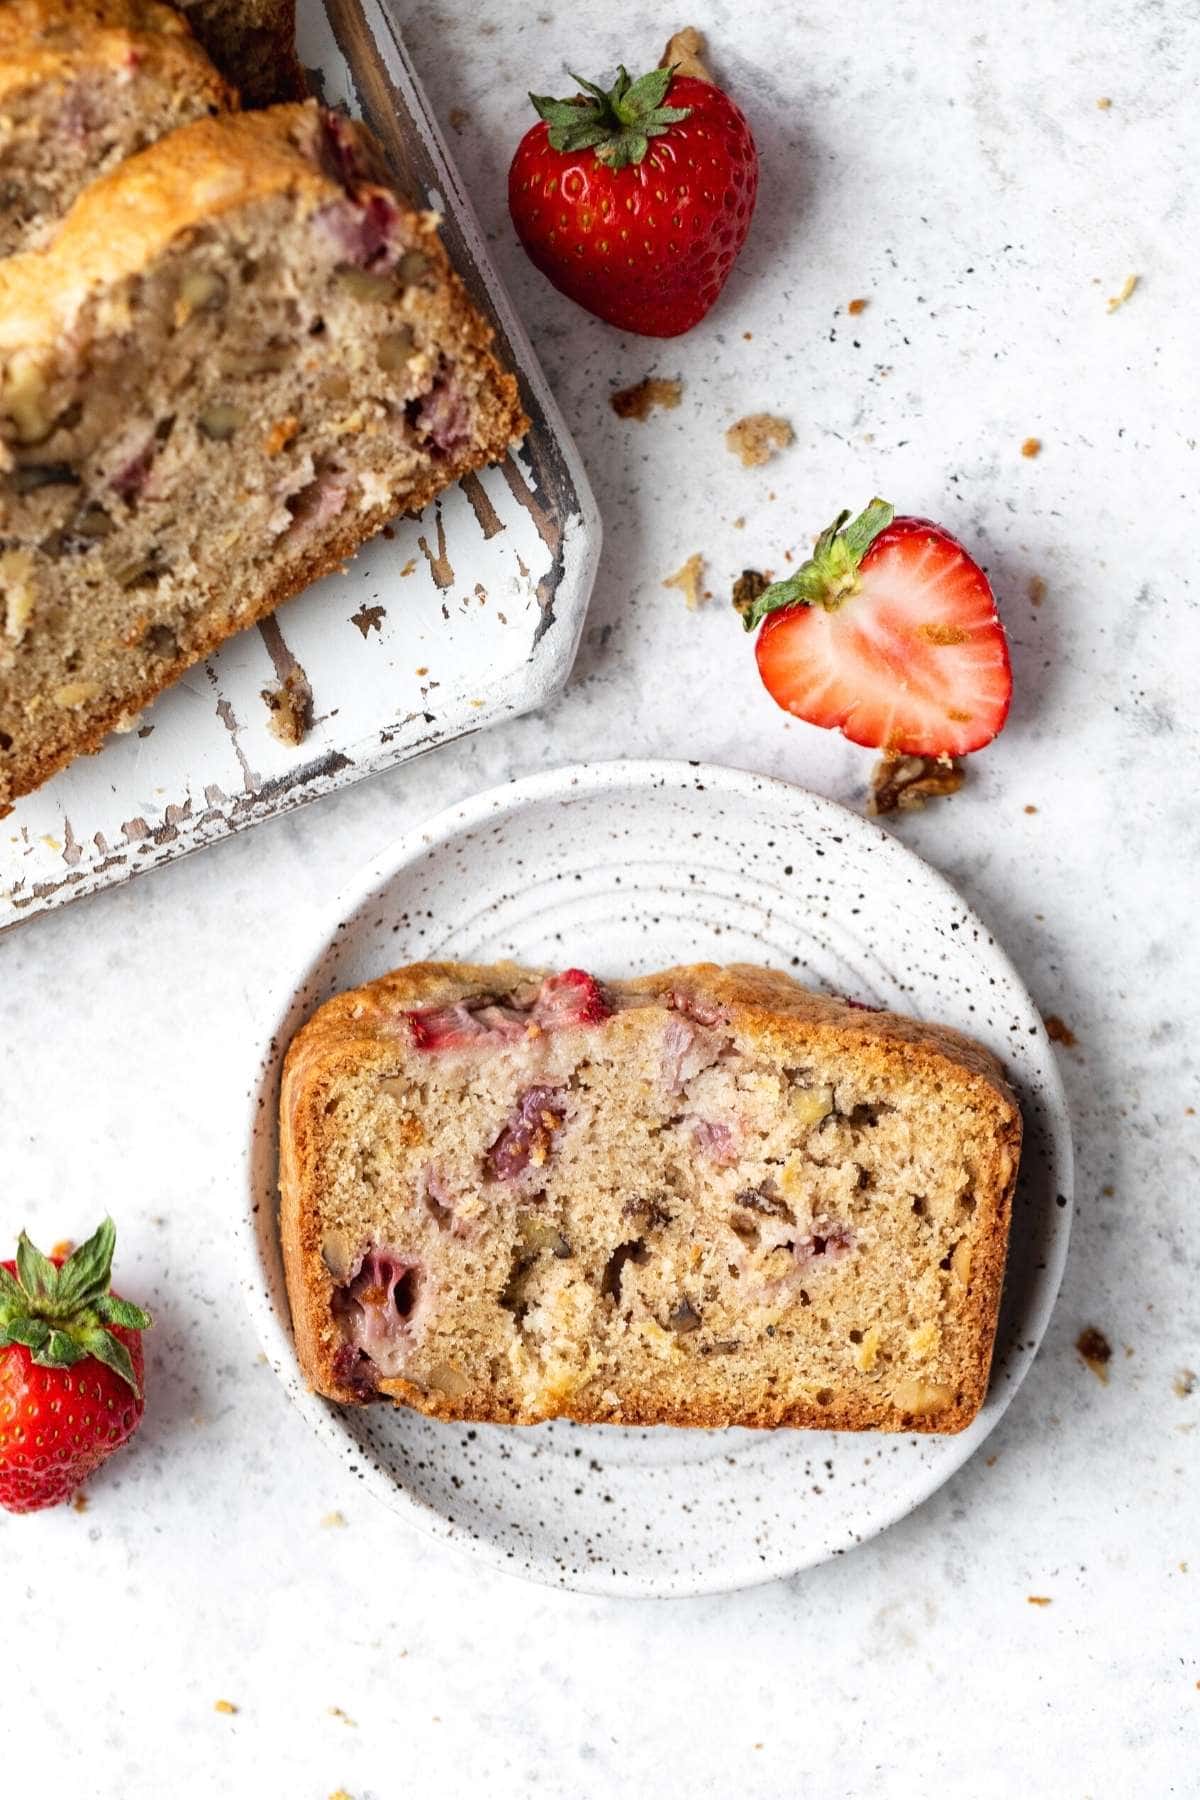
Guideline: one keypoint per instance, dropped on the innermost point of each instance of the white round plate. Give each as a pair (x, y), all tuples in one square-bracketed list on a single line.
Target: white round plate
[(623, 868)]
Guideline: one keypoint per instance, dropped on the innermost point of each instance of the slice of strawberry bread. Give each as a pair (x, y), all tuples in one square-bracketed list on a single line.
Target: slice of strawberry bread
[(240, 356), (709, 1197), (82, 86)]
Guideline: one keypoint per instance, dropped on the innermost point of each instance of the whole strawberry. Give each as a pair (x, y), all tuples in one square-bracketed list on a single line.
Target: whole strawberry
[(70, 1370), (635, 200)]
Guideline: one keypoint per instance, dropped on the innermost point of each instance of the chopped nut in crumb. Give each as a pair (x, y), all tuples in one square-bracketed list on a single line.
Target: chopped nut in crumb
[(685, 54), (855, 307), (290, 706), (1059, 1032), (756, 438), (690, 581), (1095, 1350), (640, 400), (905, 783), (1031, 447), (1116, 300), (750, 584)]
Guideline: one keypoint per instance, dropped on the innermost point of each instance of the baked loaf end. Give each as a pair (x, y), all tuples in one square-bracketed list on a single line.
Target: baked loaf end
[(253, 42), (238, 358), (82, 86), (709, 1197)]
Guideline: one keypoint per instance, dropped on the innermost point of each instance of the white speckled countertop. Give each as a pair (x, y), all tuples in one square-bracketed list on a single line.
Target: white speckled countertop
[(952, 166)]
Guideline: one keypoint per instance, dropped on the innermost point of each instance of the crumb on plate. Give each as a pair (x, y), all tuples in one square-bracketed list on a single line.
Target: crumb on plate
[(1116, 300), (1031, 447), (1059, 1032)]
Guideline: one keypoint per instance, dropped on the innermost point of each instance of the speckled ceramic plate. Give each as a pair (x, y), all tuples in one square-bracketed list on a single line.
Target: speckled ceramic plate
[(623, 868)]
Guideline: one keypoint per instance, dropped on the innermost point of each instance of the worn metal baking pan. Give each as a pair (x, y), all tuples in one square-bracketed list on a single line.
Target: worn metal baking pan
[(444, 625)]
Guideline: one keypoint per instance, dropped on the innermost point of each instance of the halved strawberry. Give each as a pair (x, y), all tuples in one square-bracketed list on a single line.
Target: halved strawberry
[(891, 635)]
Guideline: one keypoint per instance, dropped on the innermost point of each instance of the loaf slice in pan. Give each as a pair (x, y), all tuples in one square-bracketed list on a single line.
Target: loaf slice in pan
[(708, 1197), (253, 42), (82, 86), (238, 358)]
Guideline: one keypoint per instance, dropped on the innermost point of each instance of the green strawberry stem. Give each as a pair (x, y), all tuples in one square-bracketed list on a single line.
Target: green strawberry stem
[(617, 122), (63, 1314), (831, 573)]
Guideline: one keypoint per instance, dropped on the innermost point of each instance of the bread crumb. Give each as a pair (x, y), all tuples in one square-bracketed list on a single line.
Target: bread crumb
[(1037, 590), (335, 1712), (905, 783), (334, 1519), (409, 566), (747, 589), (991, 1461), (854, 307), (62, 1249), (748, 336), (689, 580), (476, 702), (755, 439), (369, 618), (340, 1794), (458, 116), (1116, 300), (224, 1706), (640, 400), (1038, 1599), (1059, 1032), (1104, 104), (1031, 447), (1031, 809), (1095, 1350), (685, 54), (290, 706), (739, 524), (80, 1503), (1184, 1383)]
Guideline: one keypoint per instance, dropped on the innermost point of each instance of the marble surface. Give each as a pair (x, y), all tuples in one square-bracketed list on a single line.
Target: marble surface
[(953, 167)]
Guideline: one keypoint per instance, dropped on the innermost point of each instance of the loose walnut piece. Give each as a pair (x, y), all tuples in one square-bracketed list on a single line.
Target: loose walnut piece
[(685, 54), (905, 783), (757, 437)]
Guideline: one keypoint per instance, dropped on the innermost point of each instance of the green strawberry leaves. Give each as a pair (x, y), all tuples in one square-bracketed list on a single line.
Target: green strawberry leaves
[(831, 573), (616, 122), (63, 1314)]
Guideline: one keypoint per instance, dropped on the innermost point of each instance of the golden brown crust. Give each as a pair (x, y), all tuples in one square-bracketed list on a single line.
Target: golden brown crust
[(53, 41), (765, 1007), (132, 215)]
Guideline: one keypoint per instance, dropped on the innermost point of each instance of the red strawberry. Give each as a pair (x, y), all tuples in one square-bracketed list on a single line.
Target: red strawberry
[(635, 201), (70, 1370), (890, 634)]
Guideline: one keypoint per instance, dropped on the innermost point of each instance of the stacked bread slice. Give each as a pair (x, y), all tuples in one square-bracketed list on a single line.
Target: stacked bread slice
[(225, 362)]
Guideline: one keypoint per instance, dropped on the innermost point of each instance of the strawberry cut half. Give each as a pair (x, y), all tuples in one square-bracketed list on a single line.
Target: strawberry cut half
[(890, 635)]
